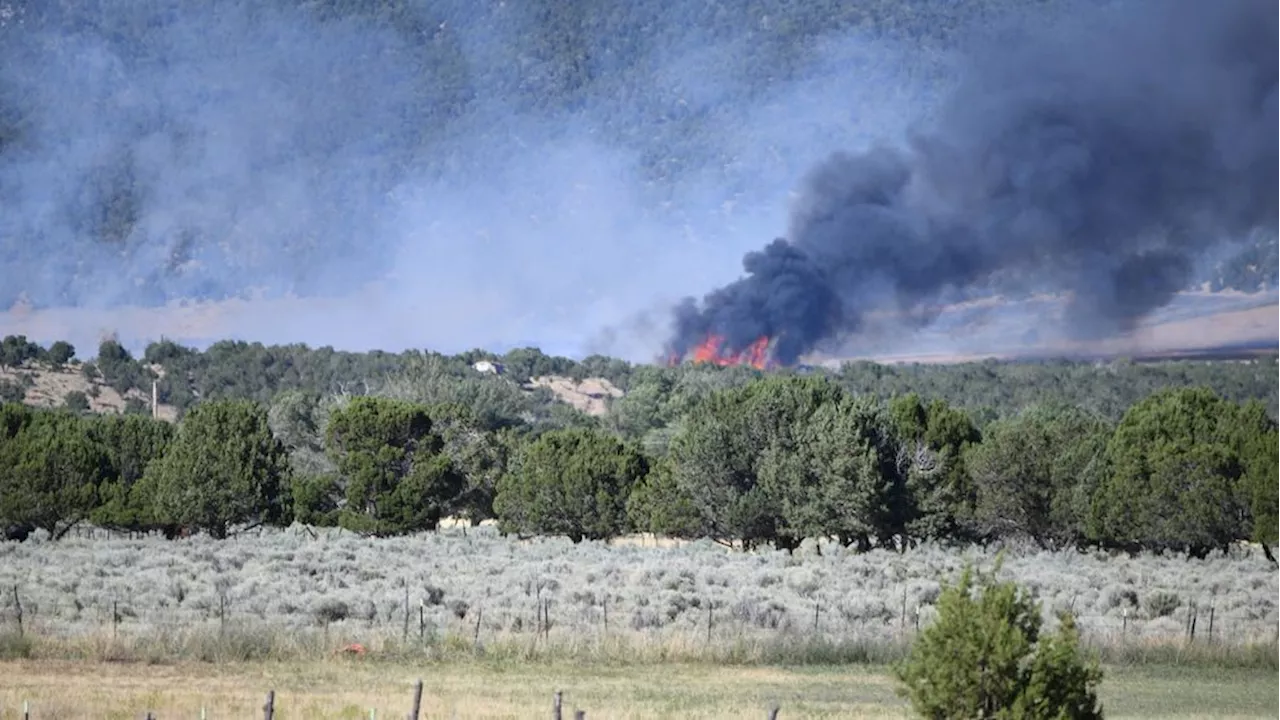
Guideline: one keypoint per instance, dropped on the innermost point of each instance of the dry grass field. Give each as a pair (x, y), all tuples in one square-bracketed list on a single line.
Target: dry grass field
[(114, 627), (351, 688)]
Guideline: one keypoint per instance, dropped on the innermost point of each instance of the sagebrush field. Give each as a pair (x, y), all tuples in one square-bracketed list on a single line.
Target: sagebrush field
[(477, 590)]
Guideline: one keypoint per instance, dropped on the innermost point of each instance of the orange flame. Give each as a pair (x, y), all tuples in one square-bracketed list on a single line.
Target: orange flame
[(712, 350)]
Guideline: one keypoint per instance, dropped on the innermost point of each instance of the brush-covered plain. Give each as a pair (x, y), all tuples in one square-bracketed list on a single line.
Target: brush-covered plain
[(474, 591), (636, 628)]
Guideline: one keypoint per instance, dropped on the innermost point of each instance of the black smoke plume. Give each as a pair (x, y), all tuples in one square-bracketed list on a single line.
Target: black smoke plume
[(1097, 156)]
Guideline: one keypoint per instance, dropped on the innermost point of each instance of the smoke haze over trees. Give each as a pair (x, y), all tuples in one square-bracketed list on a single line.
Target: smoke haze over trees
[(540, 170), (1102, 156)]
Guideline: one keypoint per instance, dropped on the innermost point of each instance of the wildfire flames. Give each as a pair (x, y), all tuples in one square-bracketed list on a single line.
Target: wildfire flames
[(713, 350)]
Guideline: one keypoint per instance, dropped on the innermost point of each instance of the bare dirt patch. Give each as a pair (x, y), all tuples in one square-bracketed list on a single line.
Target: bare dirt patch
[(591, 395)]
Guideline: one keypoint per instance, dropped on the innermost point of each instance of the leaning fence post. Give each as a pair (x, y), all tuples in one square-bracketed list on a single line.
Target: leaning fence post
[(555, 706), (773, 712), (269, 708), (417, 700)]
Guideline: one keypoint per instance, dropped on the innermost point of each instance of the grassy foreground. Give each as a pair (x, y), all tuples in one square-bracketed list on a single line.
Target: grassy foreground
[(349, 688)]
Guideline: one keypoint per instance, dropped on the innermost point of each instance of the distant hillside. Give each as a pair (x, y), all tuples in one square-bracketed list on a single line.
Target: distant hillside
[(41, 384)]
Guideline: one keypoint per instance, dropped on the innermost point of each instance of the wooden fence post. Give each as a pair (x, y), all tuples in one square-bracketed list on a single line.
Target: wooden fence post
[(417, 700), (404, 636), (269, 708), (1211, 624), (555, 706), (579, 715), (773, 712), (17, 608), (537, 609)]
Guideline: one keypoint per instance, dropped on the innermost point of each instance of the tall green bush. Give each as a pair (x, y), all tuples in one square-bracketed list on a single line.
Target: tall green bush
[(985, 657)]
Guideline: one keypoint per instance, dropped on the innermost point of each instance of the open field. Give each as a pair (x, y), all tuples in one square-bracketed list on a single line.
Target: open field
[(329, 587), (349, 689), (638, 628)]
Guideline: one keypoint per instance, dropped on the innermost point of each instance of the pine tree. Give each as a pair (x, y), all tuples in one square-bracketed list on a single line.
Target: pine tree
[(984, 657)]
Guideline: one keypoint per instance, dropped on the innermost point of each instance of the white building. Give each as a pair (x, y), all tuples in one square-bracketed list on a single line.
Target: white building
[(487, 366)]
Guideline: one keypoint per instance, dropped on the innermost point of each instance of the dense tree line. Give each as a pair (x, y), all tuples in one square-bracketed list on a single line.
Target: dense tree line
[(656, 396), (731, 454)]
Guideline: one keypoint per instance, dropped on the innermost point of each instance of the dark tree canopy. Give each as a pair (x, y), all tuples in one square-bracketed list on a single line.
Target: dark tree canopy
[(571, 482), (396, 477), (224, 468)]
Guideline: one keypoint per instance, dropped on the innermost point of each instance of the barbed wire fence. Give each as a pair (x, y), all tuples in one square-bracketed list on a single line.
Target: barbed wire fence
[(428, 618), (416, 624)]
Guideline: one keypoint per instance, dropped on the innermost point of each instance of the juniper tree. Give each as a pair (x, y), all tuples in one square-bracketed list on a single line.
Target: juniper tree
[(985, 657)]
